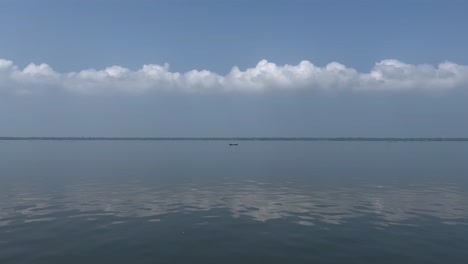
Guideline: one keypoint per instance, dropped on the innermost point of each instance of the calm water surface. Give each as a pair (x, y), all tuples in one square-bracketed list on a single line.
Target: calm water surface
[(258, 202)]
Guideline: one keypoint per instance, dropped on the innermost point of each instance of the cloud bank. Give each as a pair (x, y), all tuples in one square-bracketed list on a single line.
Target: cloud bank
[(386, 75)]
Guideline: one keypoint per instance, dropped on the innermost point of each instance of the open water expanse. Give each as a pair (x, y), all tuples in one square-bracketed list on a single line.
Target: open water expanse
[(202, 201)]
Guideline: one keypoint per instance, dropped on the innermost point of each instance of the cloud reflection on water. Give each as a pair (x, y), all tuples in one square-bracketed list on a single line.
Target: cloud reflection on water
[(304, 205)]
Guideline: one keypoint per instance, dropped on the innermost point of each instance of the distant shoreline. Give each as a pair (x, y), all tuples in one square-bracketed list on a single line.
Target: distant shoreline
[(233, 138)]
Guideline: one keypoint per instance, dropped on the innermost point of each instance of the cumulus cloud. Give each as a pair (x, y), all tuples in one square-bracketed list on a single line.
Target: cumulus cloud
[(386, 75)]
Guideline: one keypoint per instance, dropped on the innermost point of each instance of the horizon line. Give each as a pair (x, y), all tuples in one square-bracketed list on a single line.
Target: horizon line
[(6, 138)]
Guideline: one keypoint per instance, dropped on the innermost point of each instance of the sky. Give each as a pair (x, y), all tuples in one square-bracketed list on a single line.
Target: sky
[(234, 68)]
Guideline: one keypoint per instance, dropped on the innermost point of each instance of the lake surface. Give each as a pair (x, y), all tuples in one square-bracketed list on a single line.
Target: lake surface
[(207, 202)]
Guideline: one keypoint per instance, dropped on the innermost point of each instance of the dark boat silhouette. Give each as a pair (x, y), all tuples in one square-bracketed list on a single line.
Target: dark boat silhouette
[(233, 144)]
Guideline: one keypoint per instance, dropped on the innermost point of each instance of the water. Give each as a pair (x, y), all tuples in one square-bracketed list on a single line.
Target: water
[(208, 202)]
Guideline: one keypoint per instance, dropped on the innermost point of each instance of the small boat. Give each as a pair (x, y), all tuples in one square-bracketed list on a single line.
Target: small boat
[(233, 144)]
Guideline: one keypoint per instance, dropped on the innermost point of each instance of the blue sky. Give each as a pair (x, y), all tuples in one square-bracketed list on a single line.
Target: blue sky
[(399, 68)]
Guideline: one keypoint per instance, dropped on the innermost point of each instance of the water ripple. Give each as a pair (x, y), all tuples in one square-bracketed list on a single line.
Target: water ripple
[(304, 205)]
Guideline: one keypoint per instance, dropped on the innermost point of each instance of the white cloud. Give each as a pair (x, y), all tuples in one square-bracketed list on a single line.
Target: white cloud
[(387, 75)]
